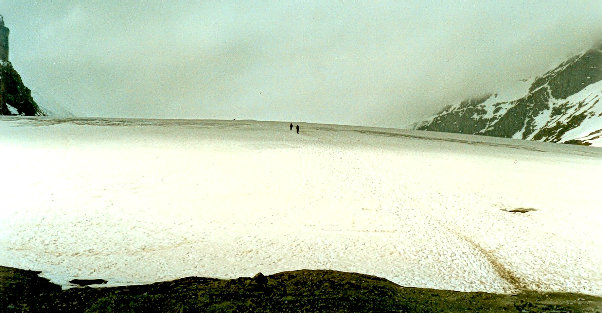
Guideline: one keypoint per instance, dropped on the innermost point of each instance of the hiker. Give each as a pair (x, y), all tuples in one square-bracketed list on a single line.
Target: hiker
[(291, 126), (297, 129)]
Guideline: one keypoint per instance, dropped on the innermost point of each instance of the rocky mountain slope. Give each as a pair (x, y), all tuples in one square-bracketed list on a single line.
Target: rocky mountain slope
[(562, 106), (15, 98)]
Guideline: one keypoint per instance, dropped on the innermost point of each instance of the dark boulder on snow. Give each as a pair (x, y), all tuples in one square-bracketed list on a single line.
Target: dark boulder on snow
[(87, 282)]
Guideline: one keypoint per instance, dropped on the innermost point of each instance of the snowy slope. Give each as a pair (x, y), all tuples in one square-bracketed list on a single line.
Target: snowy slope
[(585, 104), (50, 107), (137, 201), (560, 106)]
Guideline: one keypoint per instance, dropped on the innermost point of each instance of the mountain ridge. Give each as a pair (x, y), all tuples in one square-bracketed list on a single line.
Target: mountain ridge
[(15, 97), (563, 105)]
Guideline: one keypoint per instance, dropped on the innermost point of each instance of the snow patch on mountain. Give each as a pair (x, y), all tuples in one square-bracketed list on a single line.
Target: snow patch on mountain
[(12, 109), (587, 103)]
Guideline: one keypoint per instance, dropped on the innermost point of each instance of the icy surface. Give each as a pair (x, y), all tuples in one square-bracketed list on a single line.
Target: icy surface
[(138, 201)]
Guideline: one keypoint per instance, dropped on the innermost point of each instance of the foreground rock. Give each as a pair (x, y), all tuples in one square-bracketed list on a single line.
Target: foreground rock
[(297, 291)]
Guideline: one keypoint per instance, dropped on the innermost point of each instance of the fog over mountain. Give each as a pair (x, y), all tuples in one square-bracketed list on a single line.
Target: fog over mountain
[(388, 63)]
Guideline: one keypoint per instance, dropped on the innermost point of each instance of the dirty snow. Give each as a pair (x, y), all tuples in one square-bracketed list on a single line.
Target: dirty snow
[(138, 201)]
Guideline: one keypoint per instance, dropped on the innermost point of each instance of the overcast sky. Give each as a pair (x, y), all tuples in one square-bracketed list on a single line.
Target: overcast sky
[(381, 63)]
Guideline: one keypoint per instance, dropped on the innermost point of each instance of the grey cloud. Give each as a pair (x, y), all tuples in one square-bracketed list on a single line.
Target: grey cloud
[(383, 63)]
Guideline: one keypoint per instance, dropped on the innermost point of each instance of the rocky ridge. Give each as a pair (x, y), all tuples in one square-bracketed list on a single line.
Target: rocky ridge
[(15, 98), (563, 105)]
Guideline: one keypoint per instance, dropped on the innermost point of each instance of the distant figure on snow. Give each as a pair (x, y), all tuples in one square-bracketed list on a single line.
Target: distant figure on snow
[(291, 126), (297, 129)]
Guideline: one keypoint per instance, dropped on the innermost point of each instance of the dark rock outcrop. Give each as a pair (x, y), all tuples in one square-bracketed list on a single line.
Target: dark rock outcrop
[(4, 32), (15, 98)]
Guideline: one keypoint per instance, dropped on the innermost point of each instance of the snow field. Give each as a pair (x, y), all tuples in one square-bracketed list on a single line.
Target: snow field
[(143, 201)]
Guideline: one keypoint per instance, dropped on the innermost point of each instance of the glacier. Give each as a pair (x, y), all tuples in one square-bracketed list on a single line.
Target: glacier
[(139, 201)]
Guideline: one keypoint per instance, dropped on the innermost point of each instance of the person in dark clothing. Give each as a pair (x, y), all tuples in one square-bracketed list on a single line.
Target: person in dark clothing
[(291, 126), (297, 129)]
